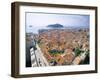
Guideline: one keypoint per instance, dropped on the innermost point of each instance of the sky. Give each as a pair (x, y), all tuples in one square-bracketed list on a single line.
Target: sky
[(36, 21)]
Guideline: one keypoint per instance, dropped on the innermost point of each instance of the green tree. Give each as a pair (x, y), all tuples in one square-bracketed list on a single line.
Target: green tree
[(77, 51)]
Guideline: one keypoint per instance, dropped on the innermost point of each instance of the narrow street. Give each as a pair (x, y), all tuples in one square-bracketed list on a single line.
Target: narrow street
[(37, 58), (41, 59)]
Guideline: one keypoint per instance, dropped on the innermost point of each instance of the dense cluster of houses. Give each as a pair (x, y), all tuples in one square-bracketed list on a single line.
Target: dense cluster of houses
[(66, 41), (62, 46)]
